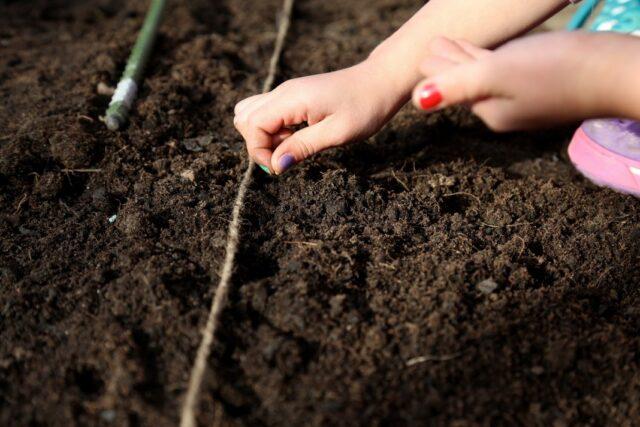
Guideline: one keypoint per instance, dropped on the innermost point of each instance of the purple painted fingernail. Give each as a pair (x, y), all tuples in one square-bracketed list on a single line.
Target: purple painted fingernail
[(286, 161)]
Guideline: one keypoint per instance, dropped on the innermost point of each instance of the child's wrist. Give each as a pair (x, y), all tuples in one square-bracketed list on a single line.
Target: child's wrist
[(399, 74)]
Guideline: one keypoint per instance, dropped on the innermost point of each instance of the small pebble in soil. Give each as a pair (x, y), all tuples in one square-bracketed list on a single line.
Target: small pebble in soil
[(132, 220), (487, 286), (112, 219), (198, 143), (104, 89), (259, 299), (537, 370), (25, 231), (108, 415), (336, 303), (188, 174)]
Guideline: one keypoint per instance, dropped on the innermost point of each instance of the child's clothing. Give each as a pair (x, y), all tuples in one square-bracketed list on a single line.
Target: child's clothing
[(607, 151)]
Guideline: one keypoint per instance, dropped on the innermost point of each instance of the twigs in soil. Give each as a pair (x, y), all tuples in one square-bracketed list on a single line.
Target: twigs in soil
[(392, 174), (85, 118), (524, 246), (401, 182), (20, 203), (303, 243), (431, 358), (190, 405), (89, 170), (464, 193), (517, 224)]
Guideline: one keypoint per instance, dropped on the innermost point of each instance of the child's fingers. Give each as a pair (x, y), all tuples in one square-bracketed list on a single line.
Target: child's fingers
[(307, 142), (434, 64), (473, 50), (272, 114), (262, 146), (259, 145), (449, 49), (263, 156), (259, 141), (245, 102), (250, 108), (261, 123), (279, 137), (500, 115), (465, 83)]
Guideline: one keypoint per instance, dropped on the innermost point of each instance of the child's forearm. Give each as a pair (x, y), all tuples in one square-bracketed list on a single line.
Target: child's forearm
[(484, 22)]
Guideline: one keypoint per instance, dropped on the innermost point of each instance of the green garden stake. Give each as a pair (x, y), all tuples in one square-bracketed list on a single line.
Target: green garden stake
[(127, 88)]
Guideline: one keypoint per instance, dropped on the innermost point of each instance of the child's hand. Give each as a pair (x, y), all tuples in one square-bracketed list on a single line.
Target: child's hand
[(338, 107), (531, 82)]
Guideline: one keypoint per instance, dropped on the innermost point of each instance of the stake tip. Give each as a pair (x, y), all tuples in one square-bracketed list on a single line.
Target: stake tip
[(112, 122)]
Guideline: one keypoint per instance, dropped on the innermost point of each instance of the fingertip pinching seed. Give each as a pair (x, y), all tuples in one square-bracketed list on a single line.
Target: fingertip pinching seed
[(265, 169)]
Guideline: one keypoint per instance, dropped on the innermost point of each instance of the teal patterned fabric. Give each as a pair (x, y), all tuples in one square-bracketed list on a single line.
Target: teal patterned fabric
[(622, 16)]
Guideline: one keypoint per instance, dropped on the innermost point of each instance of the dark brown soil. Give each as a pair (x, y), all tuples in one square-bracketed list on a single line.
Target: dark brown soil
[(360, 294)]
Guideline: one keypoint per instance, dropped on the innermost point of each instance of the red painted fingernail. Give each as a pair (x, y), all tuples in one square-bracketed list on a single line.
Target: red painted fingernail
[(429, 97)]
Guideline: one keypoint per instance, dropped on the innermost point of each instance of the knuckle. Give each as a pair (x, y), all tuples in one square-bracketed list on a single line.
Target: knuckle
[(438, 42), (240, 126), (306, 149), (253, 118), (242, 119), (288, 85)]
